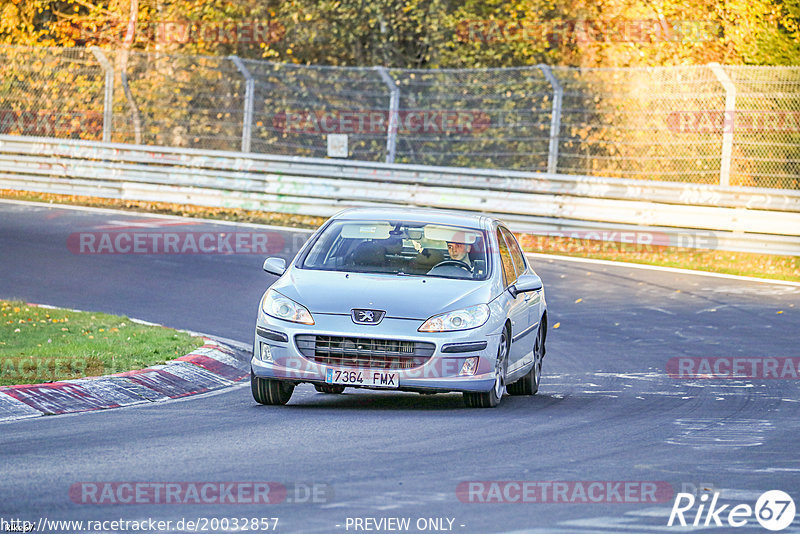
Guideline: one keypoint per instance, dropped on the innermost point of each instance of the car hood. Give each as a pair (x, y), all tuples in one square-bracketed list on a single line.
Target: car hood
[(407, 297)]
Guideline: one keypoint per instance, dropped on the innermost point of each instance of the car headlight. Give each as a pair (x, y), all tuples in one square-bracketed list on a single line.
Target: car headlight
[(276, 305), (471, 317)]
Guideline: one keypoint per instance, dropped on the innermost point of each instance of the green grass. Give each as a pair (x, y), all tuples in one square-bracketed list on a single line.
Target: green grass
[(46, 345), (717, 261)]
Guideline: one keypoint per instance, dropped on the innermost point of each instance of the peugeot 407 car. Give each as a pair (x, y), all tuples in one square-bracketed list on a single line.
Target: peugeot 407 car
[(402, 299)]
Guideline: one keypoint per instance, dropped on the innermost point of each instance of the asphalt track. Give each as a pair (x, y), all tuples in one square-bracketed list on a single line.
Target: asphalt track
[(607, 410)]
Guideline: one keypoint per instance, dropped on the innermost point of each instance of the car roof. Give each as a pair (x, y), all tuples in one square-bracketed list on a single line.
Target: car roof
[(422, 215)]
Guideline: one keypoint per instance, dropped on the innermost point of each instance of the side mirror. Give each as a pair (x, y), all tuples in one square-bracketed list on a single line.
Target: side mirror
[(525, 283), (276, 266)]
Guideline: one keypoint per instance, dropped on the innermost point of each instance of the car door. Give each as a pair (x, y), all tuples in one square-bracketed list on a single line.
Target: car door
[(533, 298), (517, 308), (525, 333)]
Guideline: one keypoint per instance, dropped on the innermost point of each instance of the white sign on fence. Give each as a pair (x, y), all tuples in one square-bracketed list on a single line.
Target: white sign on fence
[(337, 145)]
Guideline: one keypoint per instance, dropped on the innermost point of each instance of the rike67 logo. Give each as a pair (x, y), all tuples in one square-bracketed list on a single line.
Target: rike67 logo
[(774, 510)]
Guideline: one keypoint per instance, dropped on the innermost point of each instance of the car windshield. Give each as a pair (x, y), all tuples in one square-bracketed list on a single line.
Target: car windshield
[(401, 248)]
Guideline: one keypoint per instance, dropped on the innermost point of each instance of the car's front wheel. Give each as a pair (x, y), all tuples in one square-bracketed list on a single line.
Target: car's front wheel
[(491, 398), (269, 391)]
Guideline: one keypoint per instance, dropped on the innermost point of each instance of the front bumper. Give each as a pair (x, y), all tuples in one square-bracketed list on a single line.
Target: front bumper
[(440, 373)]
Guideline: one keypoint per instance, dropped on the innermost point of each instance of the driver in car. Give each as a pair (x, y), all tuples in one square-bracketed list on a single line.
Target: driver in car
[(460, 252)]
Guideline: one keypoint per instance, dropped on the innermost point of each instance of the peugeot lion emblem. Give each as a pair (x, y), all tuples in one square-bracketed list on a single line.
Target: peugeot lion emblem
[(367, 316)]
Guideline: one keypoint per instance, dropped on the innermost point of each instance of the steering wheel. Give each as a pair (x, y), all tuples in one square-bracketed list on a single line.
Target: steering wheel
[(455, 263)]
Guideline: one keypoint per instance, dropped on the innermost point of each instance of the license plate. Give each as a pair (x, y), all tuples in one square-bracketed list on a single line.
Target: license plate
[(362, 377)]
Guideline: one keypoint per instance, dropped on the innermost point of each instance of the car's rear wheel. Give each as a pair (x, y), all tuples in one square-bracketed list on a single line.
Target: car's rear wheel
[(529, 384), (491, 398), (333, 389), (269, 391)]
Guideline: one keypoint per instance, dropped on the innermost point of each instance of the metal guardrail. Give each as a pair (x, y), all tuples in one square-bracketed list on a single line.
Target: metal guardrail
[(739, 219)]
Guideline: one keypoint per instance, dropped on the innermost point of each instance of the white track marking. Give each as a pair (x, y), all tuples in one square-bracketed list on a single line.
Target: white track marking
[(659, 268), (150, 215), (115, 224)]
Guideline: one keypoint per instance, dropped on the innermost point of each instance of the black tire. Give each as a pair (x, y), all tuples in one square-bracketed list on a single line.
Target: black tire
[(492, 398), (529, 384), (331, 389), (269, 391)]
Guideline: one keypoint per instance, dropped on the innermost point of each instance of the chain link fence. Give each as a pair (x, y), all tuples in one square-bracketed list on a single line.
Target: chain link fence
[(707, 124), (179, 101), (51, 93)]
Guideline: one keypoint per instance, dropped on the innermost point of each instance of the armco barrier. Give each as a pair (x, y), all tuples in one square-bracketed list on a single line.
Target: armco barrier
[(742, 219)]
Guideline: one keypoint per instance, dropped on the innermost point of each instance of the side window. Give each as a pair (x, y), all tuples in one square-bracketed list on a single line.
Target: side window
[(509, 274), (516, 252)]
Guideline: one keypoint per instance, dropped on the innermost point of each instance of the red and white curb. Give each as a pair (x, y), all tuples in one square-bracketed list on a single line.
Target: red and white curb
[(213, 366)]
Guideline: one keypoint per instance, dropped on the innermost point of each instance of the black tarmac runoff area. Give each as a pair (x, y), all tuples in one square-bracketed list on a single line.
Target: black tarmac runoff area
[(616, 440)]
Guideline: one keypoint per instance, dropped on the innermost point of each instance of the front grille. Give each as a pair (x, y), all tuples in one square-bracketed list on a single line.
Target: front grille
[(364, 352)]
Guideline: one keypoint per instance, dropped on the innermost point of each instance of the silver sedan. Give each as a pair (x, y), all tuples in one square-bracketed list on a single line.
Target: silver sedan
[(402, 299)]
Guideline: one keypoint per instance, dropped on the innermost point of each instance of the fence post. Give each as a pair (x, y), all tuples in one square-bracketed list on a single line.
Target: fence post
[(727, 122), (135, 115), (249, 96), (108, 99), (555, 121), (394, 104)]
